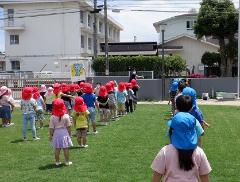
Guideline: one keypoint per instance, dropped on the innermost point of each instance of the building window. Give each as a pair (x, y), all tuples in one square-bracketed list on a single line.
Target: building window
[(2, 66), (82, 42), (190, 25), (82, 17), (89, 43), (14, 39), (89, 20), (100, 27), (10, 14), (110, 31), (15, 65)]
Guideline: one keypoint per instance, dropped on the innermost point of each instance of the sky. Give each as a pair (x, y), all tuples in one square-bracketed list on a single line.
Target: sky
[(139, 24)]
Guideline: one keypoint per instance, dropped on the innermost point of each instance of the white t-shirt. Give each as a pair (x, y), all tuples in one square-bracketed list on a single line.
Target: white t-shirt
[(166, 163)]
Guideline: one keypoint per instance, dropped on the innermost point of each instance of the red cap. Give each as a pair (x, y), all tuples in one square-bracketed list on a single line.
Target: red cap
[(80, 106), (77, 87), (65, 87), (121, 86), (59, 108), (56, 88), (81, 85), (103, 91), (27, 93), (72, 87), (88, 88), (35, 89), (134, 83), (36, 95), (128, 86), (112, 83), (109, 87)]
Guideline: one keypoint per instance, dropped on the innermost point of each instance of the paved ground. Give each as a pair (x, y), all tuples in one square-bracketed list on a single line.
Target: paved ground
[(203, 102)]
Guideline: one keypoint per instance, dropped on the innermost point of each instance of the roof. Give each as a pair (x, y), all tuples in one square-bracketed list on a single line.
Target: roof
[(3, 2), (193, 38), (175, 17)]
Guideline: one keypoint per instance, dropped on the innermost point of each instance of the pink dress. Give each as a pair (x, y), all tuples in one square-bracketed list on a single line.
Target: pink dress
[(61, 138), (166, 163)]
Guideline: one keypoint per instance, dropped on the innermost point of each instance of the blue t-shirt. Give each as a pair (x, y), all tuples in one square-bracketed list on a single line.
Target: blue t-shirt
[(121, 96), (196, 112), (89, 99)]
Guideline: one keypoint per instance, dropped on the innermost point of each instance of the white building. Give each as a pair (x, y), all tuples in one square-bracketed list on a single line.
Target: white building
[(180, 39), (48, 35)]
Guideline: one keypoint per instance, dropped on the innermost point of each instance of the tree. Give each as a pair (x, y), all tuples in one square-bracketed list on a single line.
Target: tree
[(211, 59), (219, 18)]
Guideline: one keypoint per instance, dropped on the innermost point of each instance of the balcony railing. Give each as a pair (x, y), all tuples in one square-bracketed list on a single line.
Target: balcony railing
[(14, 25)]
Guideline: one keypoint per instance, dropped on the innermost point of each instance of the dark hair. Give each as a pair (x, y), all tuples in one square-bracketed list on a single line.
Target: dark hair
[(181, 86), (185, 159), (184, 103)]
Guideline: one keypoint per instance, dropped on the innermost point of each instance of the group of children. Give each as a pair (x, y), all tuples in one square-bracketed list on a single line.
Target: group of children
[(71, 105), (183, 159)]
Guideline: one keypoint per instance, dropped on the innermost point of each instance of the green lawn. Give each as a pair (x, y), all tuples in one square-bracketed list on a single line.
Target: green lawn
[(122, 151)]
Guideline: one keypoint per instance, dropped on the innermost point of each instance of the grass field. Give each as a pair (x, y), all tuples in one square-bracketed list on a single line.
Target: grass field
[(122, 151)]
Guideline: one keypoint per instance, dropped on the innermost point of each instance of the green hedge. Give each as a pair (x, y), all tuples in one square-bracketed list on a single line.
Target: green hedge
[(141, 63)]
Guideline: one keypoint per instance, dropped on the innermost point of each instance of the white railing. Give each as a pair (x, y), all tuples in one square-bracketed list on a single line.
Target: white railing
[(51, 75)]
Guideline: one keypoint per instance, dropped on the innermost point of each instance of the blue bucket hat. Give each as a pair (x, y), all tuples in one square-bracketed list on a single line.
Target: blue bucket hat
[(174, 86), (192, 93), (184, 135)]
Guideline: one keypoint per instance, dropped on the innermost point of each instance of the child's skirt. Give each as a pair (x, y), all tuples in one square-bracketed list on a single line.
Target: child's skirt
[(61, 138), (5, 112)]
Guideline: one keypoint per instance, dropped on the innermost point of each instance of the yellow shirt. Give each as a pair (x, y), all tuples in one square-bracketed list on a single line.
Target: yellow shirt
[(81, 119)]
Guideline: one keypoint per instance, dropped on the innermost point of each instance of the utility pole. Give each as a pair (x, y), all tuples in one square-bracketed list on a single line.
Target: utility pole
[(106, 38), (238, 79), (95, 43)]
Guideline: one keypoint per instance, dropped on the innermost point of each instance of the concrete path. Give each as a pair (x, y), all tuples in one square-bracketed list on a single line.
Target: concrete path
[(203, 102)]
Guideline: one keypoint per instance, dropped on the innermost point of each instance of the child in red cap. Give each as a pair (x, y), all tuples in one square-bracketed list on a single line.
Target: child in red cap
[(28, 107), (121, 98), (103, 105), (80, 117), (60, 131), (112, 100)]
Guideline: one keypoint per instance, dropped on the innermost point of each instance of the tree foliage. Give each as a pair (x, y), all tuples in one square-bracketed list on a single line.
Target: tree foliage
[(211, 59), (219, 18), (142, 63)]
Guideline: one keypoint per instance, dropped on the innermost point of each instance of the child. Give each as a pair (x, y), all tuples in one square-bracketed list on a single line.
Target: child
[(121, 98), (28, 107), (173, 93), (65, 96), (49, 99), (91, 102), (130, 98), (40, 108), (97, 88), (60, 131), (80, 92), (112, 102), (12, 101), (103, 105), (43, 91), (80, 116), (182, 160), (135, 88), (5, 107)]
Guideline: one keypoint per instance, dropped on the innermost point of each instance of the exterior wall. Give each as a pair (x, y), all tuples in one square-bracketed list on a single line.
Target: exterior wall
[(45, 39), (192, 51), (177, 26)]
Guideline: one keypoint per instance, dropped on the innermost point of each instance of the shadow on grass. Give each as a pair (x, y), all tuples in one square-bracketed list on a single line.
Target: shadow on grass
[(74, 147), (50, 166), (17, 141)]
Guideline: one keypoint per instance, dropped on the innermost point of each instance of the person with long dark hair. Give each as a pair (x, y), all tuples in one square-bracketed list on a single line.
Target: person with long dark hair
[(182, 160)]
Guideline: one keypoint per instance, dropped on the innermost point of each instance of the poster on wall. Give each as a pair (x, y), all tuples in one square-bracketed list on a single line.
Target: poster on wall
[(77, 72)]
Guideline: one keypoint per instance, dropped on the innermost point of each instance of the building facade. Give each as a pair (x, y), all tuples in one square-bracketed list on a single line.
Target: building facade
[(179, 32), (49, 35)]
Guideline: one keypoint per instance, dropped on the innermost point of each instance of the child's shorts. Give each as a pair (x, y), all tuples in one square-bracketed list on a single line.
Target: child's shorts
[(49, 107), (104, 111), (39, 115), (5, 112), (112, 106), (81, 132), (92, 115), (121, 106)]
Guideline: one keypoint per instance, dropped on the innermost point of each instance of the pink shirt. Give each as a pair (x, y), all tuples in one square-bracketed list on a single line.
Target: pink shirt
[(166, 163), (63, 123)]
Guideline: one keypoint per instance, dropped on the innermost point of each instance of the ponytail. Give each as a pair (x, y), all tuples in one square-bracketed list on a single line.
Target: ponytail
[(185, 159)]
